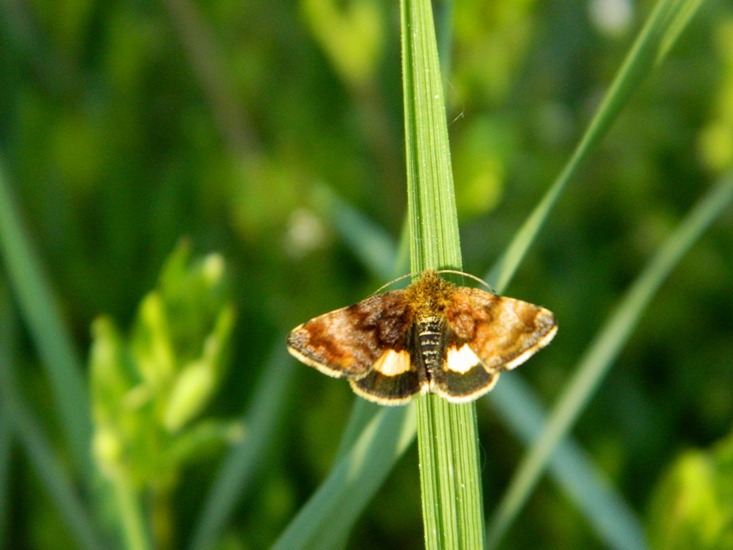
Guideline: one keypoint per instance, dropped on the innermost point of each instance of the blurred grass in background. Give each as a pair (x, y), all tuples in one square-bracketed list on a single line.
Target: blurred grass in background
[(251, 128)]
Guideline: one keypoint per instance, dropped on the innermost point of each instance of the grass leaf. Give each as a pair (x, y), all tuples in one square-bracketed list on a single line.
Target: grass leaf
[(572, 469), (326, 519), (20, 423), (45, 322), (650, 49), (447, 436)]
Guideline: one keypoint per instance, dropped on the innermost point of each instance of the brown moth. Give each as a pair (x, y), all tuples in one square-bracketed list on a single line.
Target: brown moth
[(433, 336)]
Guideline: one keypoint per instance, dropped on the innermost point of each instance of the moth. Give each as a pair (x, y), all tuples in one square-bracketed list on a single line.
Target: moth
[(433, 336)]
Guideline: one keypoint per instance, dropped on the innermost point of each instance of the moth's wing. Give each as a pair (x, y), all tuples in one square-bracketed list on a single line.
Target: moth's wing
[(502, 332), (393, 379), (488, 334), (462, 376), (346, 343)]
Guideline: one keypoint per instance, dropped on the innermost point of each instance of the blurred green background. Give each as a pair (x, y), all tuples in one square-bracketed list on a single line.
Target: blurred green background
[(256, 129)]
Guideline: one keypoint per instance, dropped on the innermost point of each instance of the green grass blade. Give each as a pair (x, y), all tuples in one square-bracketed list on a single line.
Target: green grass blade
[(20, 423), (614, 522), (663, 27), (6, 441), (326, 519), (44, 320), (432, 213), (604, 349), (653, 44), (362, 413), (450, 476), (55, 481), (238, 468)]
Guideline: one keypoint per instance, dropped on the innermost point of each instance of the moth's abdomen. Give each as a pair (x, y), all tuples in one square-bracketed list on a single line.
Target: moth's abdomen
[(430, 344)]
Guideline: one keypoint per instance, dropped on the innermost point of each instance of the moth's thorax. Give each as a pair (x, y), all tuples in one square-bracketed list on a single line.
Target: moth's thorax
[(429, 296)]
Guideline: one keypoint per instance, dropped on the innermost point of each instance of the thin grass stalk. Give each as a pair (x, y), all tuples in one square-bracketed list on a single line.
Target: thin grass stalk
[(23, 427), (650, 49), (616, 524), (51, 337)]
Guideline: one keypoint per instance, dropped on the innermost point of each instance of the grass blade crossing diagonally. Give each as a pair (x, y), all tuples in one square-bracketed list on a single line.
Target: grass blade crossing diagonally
[(655, 40), (20, 422), (600, 355), (44, 319)]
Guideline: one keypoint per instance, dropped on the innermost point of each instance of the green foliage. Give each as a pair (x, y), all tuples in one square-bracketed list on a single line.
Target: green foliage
[(599, 356), (148, 391), (351, 35), (692, 507)]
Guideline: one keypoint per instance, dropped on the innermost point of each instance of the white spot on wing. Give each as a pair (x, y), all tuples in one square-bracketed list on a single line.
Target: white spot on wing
[(392, 363), (461, 360)]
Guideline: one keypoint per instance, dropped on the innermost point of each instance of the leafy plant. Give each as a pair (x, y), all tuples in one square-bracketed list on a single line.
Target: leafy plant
[(148, 391)]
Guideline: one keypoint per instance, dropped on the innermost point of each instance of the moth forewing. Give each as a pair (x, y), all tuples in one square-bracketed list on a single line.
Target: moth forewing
[(347, 342), (503, 332), (293, 348)]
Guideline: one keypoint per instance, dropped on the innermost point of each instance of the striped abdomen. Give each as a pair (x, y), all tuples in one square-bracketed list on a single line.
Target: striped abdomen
[(430, 343)]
